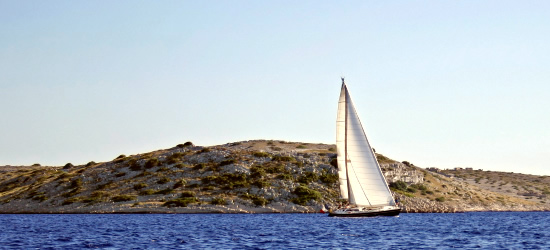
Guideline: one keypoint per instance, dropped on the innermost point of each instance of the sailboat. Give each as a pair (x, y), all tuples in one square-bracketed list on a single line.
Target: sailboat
[(362, 183)]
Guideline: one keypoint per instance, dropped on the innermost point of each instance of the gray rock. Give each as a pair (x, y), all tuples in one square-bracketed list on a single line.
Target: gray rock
[(234, 169)]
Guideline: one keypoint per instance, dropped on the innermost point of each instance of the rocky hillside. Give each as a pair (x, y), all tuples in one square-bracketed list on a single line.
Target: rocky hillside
[(246, 177)]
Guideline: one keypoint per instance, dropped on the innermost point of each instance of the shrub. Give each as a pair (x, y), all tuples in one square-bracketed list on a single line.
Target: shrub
[(257, 172), (275, 169), (163, 169), (70, 201), (329, 178), (260, 154), (209, 179), (331, 149), (218, 201), (147, 192), (199, 166), (256, 200), (120, 158), (419, 187), (236, 177), (285, 176), (398, 185), (151, 163), (440, 199), (187, 194), (261, 183), (381, 158), (134, 165), (301, 146), (229, 180), (179, 183), (228, 162), (246, 196), (104, 185), (99, 194), (305, 194), (215, 168), (180, 202), (91, 163), (36, 165), (144, 173), (308, 177), (259, 201), (68, 165), (236, 184), (90, 200), (180, 165), (186, 144), (283, 158), (165, 191), (40, 197), (174, 158), (76, 183), (163, 180), (204, 150), (405, 193), (120, 198), (139, 186)]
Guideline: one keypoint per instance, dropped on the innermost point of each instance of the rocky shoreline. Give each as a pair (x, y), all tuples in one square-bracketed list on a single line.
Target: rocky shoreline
[(244, 177)]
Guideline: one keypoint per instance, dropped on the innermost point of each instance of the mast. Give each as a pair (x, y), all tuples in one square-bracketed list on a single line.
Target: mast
[(346, 137)]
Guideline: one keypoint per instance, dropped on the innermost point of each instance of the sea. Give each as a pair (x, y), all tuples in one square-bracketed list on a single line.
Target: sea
[(488, 230)]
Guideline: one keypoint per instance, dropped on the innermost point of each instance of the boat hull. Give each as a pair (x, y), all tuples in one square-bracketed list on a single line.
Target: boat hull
[(389, 212)]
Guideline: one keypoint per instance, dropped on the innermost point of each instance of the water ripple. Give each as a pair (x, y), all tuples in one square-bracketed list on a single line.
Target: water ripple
[(265, 231)]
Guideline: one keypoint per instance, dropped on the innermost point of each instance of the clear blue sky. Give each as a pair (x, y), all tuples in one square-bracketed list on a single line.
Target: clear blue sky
[(437, 83)]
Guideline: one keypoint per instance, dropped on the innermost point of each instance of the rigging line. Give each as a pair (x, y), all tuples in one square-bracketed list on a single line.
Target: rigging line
[(362, 189), (345, 89)]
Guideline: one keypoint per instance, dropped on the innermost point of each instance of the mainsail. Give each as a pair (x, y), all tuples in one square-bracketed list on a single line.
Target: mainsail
[(361, 180)]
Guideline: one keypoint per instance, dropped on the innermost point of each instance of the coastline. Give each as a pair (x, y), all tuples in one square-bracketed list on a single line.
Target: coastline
[(246, 177)]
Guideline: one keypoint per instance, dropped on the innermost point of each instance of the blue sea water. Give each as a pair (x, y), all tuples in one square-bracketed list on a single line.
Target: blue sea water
[(494, 230)]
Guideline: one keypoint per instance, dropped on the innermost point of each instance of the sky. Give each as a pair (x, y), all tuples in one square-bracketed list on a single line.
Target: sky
[(437, 83)]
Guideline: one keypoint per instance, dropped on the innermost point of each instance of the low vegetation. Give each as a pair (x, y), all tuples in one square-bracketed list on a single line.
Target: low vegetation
[(247, 174)]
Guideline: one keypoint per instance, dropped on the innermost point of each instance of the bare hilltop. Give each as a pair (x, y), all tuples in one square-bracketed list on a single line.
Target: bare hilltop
[(259, 176)]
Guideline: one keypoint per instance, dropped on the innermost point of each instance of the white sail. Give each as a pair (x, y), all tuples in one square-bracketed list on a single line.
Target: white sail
[(361, 180), (340, 143)]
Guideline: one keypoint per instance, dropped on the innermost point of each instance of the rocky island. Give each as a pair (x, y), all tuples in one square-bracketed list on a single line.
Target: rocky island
[(258, 176)]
